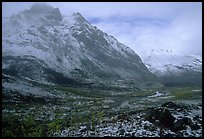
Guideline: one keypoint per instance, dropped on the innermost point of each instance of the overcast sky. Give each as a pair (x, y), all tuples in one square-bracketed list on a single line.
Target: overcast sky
[(141, 26)]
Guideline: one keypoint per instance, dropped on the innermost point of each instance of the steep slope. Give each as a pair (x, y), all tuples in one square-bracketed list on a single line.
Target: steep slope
[(42, 45), (174, 68)]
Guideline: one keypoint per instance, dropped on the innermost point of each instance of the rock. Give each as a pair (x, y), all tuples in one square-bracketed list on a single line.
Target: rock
[(199, 107), (164, 116), (121, 132), (132, 112), (64, 133), (195, 126), (114, 118), (122, 116), (106, 106), (133, 134), (127, 134), (92, 133), (169, 133), (178, 107), (120, 126), (200, 120), (179, 110), (170, 105), (196, 117), (82, 129), (138, 117), (78, 133), (143, 133), (181, 124), (146, 127), (137, 134), (107, 120), (179, 134)]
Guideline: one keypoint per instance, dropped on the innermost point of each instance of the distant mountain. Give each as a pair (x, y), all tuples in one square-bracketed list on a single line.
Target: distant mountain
[(173, 67), (40, 44)]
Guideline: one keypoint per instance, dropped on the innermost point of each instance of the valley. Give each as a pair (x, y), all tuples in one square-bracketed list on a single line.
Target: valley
[(58, 110), (64, 77)]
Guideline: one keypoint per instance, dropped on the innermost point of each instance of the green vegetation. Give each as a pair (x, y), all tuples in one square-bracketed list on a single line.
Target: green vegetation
[(90, 119), (186, 93), (14, 126), (31, 125), (78, 91), (79, 107)]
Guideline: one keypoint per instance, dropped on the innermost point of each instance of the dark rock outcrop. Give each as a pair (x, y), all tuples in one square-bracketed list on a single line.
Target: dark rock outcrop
[(161, 116), (174, 117), (181, 124), (173, 106)]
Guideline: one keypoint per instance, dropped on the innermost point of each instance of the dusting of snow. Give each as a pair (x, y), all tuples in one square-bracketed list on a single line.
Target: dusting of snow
[(157, 94), (196, 90), (160, 62)]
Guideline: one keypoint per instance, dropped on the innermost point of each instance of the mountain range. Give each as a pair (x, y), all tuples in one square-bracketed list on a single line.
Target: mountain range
[(173, 67), (42, 45)]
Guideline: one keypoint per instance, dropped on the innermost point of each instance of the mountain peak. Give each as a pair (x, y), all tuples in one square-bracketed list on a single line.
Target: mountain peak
[(77, 14), (73, 47), (79, 17), (39, 11), (41, 8)]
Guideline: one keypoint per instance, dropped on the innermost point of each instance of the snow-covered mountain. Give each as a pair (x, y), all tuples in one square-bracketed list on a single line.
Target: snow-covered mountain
[(170, 65), (41, 44)]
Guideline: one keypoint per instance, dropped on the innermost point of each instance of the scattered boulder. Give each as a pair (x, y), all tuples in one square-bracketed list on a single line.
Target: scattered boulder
[(121, 132), (161, 116), (122, 116), (170, 105), (178, 107), (181, 124), (166, 118), (196, 117), (132, 112), (195, 126), (83, 129)]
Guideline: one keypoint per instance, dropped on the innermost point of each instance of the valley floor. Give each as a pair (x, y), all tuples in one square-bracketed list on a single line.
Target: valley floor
[(36, 109)]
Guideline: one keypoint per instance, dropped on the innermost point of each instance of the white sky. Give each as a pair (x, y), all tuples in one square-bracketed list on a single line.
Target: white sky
[(142, 26)]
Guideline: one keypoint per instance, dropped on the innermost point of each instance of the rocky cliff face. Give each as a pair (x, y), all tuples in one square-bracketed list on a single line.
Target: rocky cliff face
[(42, 45)]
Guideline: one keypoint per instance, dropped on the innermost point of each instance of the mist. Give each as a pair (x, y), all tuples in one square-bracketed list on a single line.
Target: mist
[(141, 26)]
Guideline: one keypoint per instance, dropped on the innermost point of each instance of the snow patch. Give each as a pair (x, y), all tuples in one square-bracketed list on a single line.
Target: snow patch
[(157, 94)]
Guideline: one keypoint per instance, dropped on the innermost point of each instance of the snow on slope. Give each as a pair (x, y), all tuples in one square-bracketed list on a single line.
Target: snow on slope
[(68, 44), (162, 62)]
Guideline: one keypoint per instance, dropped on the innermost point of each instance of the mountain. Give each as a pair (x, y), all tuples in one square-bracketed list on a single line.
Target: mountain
[(42, 45), (174, 68)]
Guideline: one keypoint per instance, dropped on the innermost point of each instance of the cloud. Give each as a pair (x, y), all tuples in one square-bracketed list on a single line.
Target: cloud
[(180, 30), (142, 26)]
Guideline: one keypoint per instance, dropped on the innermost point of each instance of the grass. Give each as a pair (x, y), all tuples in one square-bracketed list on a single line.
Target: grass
[(85, 107), (14, 126), (186, 93), (145, 92), (79, 91), (24, 123)]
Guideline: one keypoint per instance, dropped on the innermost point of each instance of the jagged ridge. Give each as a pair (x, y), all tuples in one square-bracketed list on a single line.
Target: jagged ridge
[(69, 45)]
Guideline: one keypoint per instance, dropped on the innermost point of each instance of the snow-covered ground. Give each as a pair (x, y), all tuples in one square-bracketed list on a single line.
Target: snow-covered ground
[(138, 126)]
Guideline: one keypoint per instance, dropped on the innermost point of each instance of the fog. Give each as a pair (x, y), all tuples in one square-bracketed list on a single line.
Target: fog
[(141, 26)]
